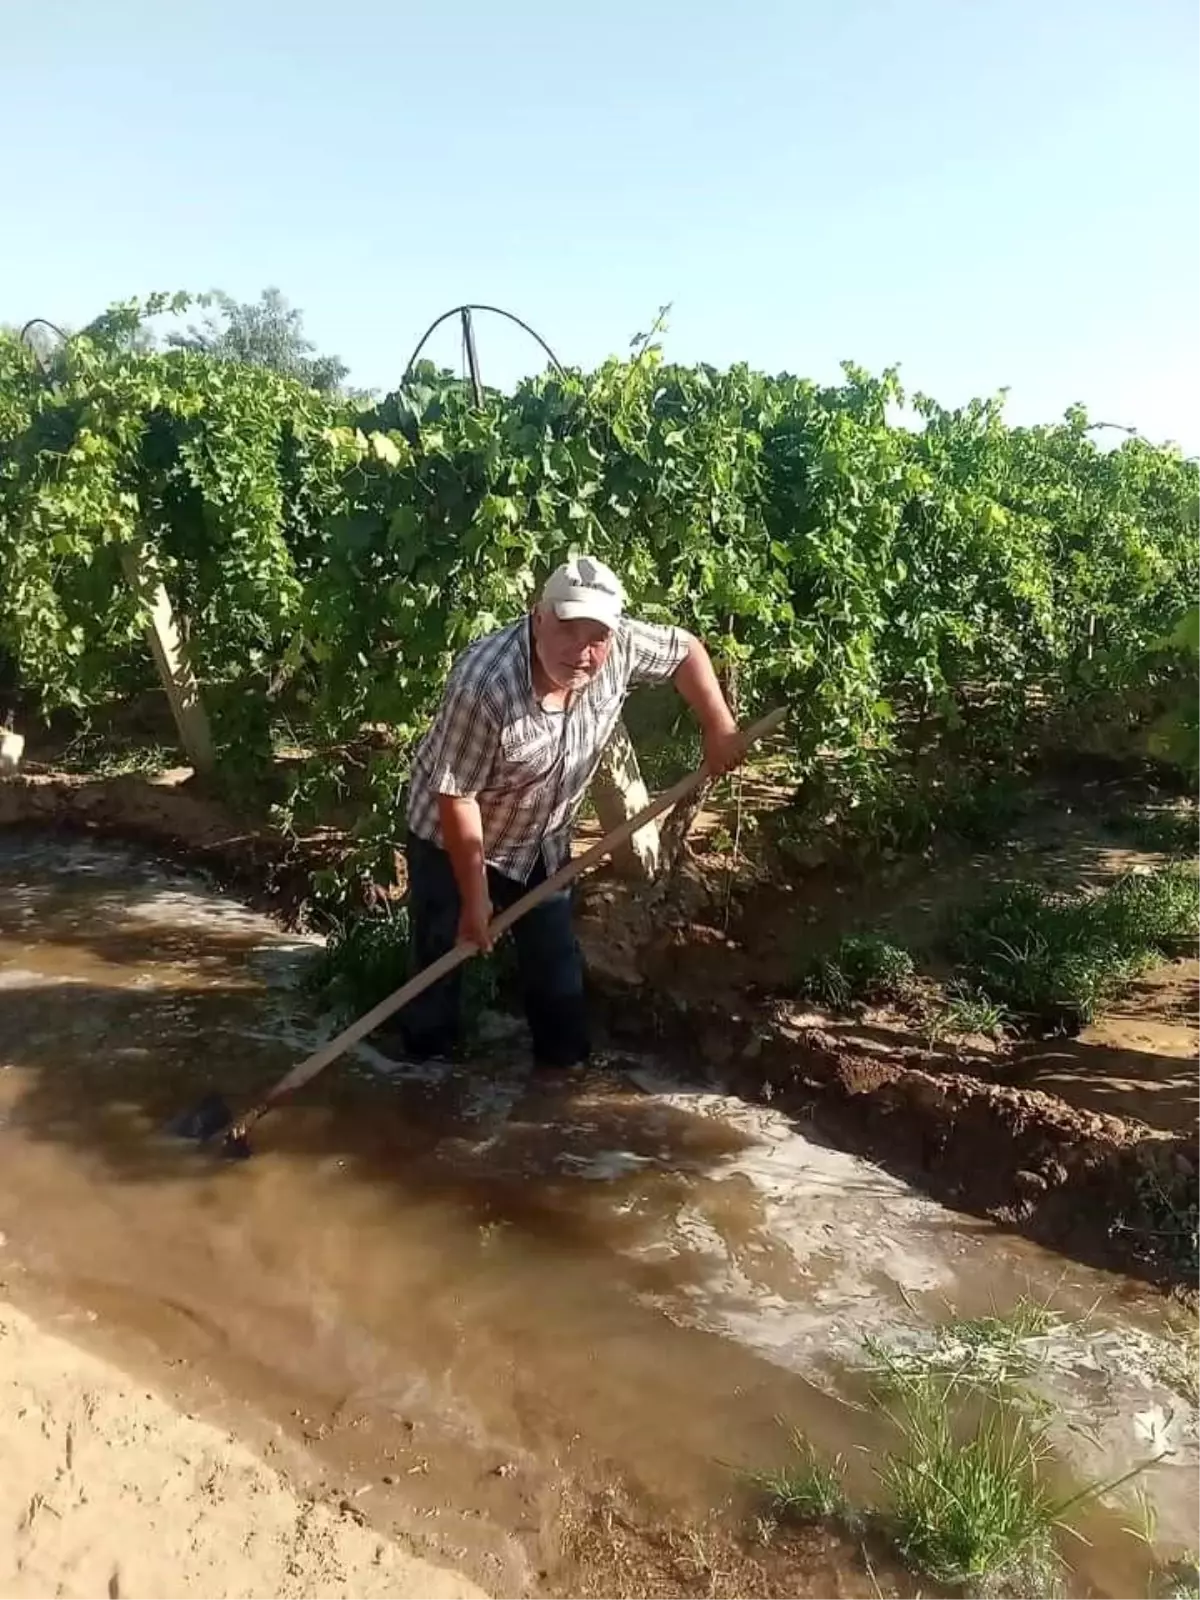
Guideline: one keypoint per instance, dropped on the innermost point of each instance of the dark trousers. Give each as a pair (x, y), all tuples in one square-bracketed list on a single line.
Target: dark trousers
[(548, 958)]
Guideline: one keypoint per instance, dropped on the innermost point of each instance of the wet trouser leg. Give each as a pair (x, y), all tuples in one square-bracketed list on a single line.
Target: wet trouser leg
[(429, 1025), (551, 969), (548, 956)]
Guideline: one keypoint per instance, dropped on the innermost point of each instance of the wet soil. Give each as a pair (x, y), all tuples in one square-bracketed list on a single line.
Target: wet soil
[(536, 1326), (1137, 1062), (1063, 1139)]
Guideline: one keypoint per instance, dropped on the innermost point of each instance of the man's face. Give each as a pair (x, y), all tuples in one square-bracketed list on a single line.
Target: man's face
[(571, 653)]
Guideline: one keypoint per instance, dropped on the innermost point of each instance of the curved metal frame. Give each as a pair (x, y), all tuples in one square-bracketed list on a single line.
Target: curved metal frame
[(41, 322), (1132, 433), (497, 311)]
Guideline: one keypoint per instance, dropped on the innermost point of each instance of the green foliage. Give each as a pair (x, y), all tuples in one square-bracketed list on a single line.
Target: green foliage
[(1168, 1217), (1057, 958), (970, 1505), (965, 1011), (362, 961), (971, 1352), (184, 458), (961, 576), (967, 1496), (1178, 1579), (1172, 830), (860, 968), (806, 1489), (983, 813), (102, 756), (967, 1491), (1025, 1319), (366, 957), (871, 802), (1178, 1364)]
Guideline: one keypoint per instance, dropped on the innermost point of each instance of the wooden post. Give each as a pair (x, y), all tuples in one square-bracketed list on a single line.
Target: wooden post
[(619, 793), (178, 680)]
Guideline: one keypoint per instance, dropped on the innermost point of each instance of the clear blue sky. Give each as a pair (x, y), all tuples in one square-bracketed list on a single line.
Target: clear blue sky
[(990, 192)]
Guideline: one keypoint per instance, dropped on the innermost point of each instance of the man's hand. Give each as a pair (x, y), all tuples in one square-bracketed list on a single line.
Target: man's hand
[(474, 918), (462, 830), (724, 749)]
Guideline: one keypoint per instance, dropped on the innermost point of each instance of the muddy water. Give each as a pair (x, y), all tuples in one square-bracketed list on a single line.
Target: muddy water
[(493, 1304)]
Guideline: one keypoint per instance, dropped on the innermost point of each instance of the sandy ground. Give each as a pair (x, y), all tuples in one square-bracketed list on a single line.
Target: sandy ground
[(105, 1489)]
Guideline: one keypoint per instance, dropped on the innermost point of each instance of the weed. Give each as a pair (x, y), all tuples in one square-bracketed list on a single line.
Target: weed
[(1160, 910), (967, 1492), (1058, 958), (721, 841), (861, 967), (365, 958), (1027, 1319), (984, 813), (1170, 830), (875, 807), (667, 754), (967, 1011), (1178, 1364), (968, 1353), (103, 756), (1178, 1579), (807, 1489), (1168, 1216), (974, 1507)]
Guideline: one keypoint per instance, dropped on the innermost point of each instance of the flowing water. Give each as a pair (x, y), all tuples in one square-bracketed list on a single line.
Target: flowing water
[(490, 1302)]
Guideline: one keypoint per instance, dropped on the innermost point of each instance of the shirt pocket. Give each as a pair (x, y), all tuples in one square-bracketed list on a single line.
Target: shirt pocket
[(529, 754)]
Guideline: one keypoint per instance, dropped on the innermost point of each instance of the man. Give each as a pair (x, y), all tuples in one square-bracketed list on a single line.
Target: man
[(497, 781)]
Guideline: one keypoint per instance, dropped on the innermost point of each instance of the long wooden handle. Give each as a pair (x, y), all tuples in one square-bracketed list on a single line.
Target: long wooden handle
[(307, 1070)]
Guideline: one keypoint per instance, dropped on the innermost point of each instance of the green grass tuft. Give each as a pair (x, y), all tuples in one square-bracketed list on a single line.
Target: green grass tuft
[(1027, 1319), (966, 1492), (968, 1353), (860, 968), (964, 1508), (806, 1489), (1058, 958), (1178, 1364), (965, 1011)]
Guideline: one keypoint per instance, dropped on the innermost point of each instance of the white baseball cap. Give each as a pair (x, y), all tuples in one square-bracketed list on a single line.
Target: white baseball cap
[(587, 588)]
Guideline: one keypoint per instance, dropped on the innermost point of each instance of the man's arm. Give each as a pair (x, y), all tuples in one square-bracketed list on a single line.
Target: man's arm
[(697, 683), (658, 654), (459, 755), (462, 832)]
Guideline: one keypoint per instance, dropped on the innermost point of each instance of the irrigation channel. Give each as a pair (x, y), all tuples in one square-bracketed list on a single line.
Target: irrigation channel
[(490, 1306)]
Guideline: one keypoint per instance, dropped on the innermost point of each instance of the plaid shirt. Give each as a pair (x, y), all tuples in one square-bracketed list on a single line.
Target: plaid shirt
[(528, 768)]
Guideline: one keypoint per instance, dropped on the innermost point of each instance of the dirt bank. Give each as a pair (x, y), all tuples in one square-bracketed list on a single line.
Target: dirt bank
[(1090, 1185), (1104, 1188), (108, 1489)]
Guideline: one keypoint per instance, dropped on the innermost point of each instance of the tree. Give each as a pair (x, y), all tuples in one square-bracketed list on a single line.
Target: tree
[(263, 333)]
